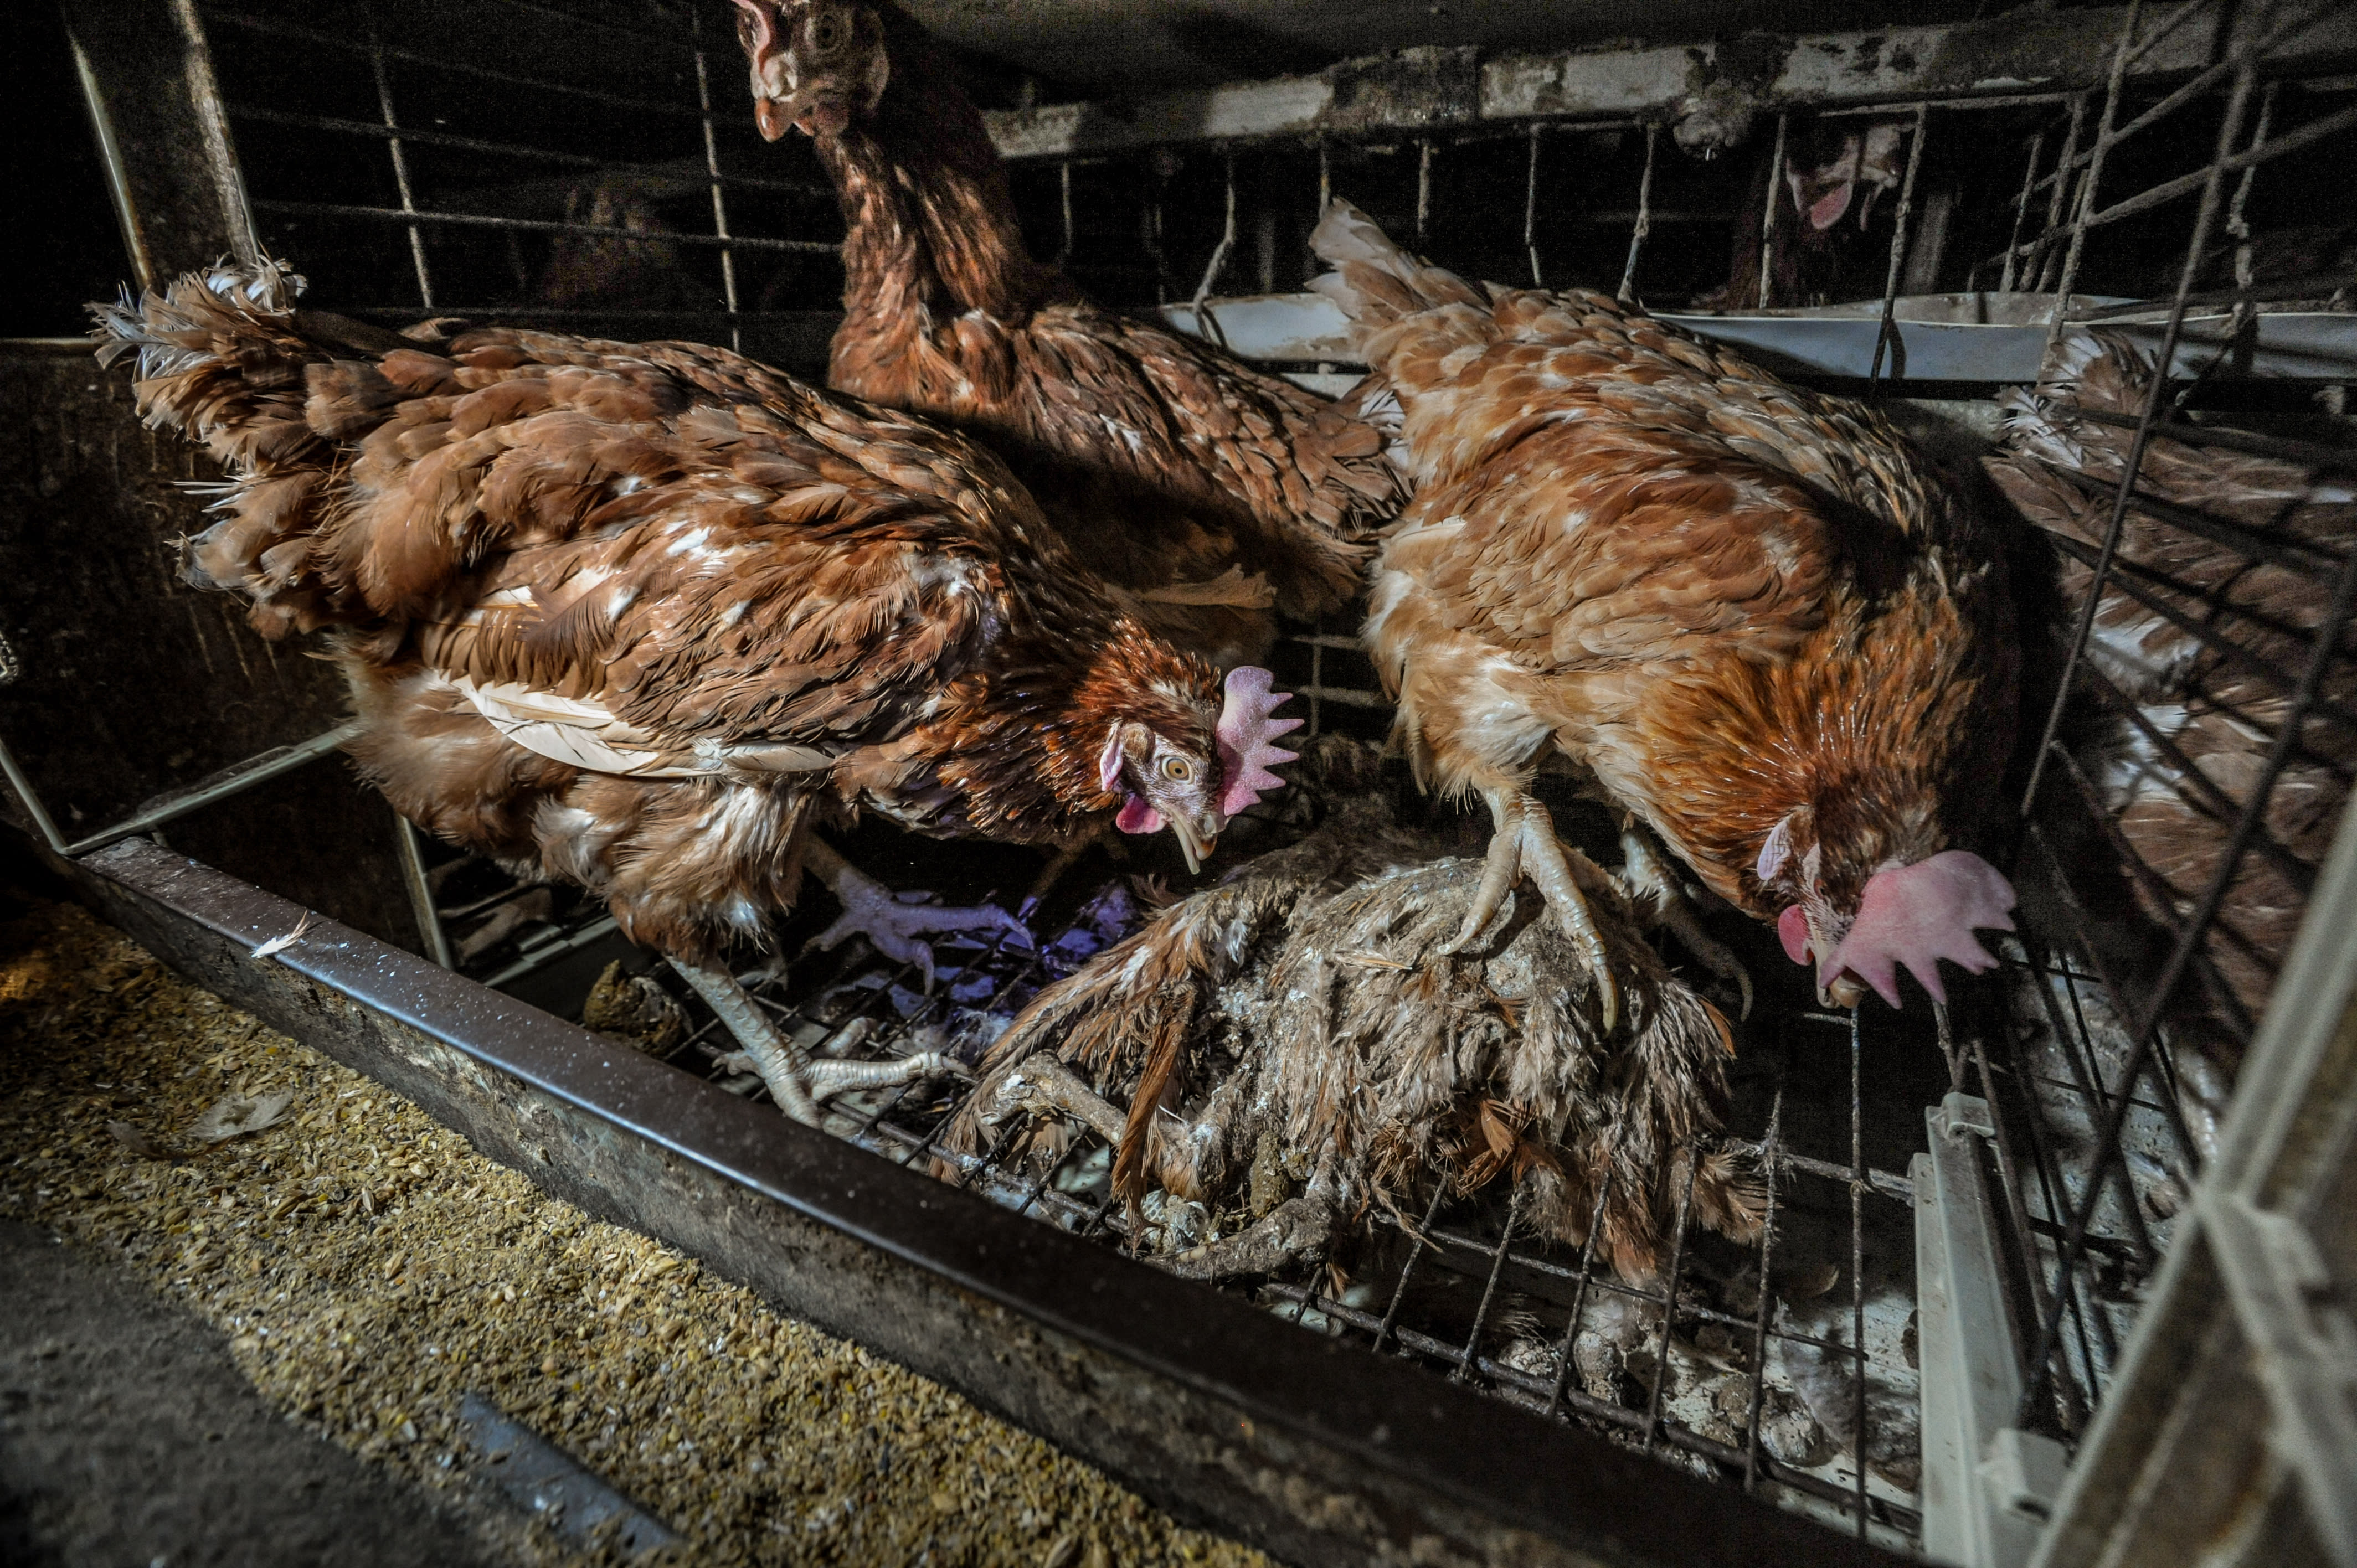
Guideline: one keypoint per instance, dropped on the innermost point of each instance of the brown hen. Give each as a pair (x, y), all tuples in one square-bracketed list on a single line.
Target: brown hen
[(1211, 490), (632, 614), (2203, 638), (1752, 615)]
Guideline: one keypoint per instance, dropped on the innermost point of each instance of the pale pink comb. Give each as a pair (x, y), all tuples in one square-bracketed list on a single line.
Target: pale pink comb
[(1918, 915), (1247, 728)]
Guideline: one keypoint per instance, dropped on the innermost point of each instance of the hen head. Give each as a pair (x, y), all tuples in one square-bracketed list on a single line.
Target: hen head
[(1868, 891), (817, 64), (1192, 772), (1822, 194)]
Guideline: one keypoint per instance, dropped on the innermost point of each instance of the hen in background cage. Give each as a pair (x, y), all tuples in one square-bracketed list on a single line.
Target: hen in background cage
[(419, 155)]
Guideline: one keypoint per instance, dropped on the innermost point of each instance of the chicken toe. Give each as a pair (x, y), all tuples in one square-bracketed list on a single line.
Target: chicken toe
[(1661, 902), (832, 1078), (897, 929), (1524, 844), (783, 1065), (795, 1081), (1045, 1087), (1297, 1228)]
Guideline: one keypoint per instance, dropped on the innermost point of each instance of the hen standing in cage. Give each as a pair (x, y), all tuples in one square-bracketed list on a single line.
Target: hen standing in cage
[(1213, 491), (1753, 614), (633, 616), (1291, 1058)]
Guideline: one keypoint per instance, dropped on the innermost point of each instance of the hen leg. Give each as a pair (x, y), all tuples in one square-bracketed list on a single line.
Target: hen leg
[(797, 1082), (1661, 898), (1524, 844), (896, 929), (1297, 1228), (1045, 1087)]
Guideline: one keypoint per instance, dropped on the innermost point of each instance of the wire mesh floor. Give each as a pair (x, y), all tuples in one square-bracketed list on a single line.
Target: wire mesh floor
[(1771, 1360)]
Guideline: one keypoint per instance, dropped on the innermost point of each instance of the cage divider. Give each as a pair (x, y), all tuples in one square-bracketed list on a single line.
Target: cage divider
[(392, 145), (1670, 1305), (277, 27), (712, 167), (2013, 251), (2129, 578), (1771, 210), (2043, 251), (1765, 1306), (2242, 327), (1206, 323), (2195, 786), (2173, 972), (1644, 216), (2229, 1009), (1886, 336), (2312, 454), (2292, 555), (2083, 197), (2132, 467)]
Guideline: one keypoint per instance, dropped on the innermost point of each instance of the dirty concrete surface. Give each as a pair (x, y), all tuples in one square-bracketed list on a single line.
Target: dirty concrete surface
[(128, 1435)]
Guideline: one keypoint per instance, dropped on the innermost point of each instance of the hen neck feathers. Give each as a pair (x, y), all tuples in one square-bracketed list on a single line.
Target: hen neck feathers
[(930, 223)]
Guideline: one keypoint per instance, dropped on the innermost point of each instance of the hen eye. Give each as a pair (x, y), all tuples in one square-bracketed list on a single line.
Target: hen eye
[(829, 32), (1177, 770)]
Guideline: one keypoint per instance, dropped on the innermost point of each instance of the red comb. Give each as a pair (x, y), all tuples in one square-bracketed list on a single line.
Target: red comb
[(1917, 915), (1246, 731)]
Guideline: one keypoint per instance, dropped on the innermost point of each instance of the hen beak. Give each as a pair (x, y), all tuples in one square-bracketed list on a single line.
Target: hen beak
[(1845, 992), (819, 109), (1190, 844)]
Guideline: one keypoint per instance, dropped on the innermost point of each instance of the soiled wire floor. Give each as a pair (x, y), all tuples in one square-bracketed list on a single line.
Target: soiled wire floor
[(1772, 1366)]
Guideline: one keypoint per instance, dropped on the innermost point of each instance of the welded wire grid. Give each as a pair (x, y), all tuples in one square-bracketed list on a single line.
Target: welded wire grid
[(585, 166), (1739, 1382), (2105, 1070)]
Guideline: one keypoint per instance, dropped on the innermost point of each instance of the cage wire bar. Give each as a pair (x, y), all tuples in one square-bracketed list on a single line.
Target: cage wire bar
[(2067, 1215), (418, 217)]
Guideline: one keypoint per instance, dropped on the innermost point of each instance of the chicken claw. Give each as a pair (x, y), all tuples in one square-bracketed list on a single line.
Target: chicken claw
[(1662, 902), (871, 911), (1045, 1087), (797, 1082), (1525, 841)]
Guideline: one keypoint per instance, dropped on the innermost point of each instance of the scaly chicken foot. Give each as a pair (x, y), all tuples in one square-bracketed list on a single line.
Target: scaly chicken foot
[(1297, 1228), (1662, 900), (796, 1081), (893, 928), (1045, 1087), (1524, 842)]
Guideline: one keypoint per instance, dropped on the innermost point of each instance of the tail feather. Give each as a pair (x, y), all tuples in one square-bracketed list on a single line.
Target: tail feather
[(1374, 281), (1407, 316), (225, 356)]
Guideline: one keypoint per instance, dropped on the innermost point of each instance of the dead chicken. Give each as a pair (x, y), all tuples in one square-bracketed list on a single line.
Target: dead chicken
[(1293, 1048)]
